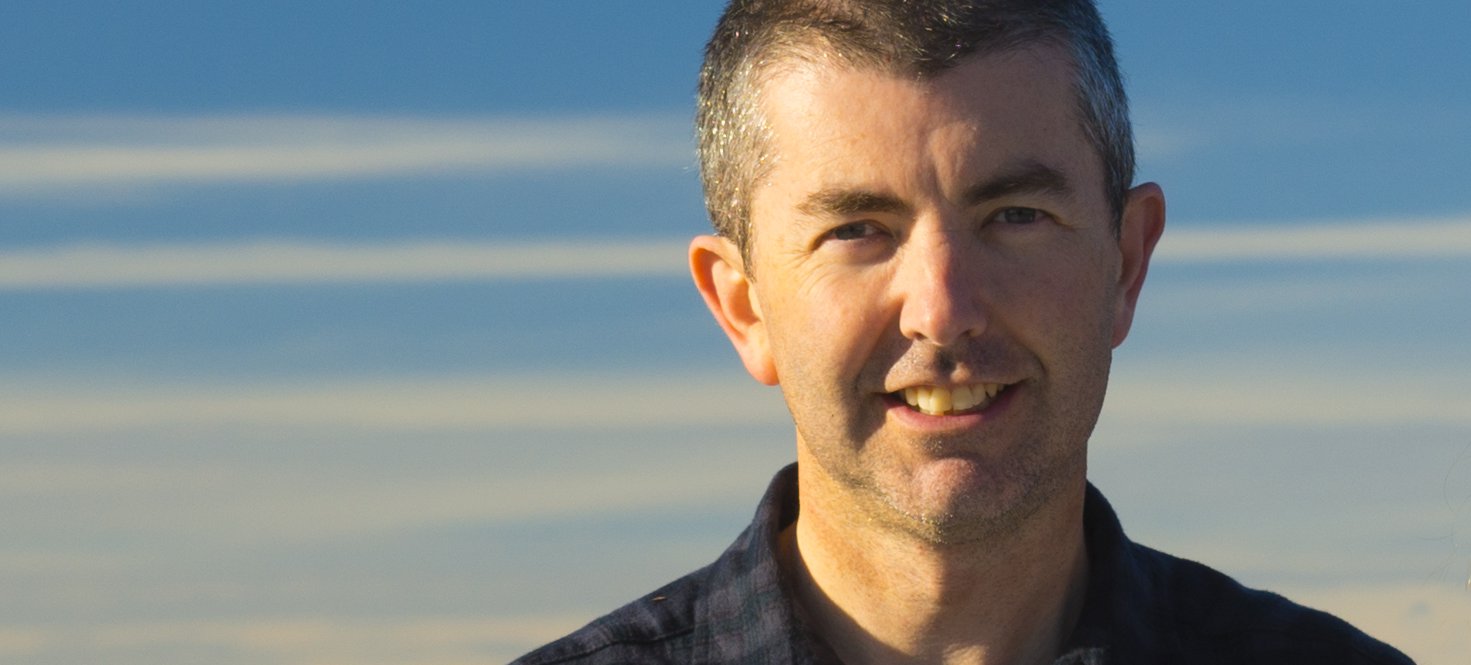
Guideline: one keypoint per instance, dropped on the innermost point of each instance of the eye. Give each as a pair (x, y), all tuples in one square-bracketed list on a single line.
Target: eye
[(1020, 216), (856, 242), (854, 231)]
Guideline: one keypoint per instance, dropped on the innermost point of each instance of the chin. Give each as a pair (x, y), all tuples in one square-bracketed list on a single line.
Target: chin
[(957, 500)]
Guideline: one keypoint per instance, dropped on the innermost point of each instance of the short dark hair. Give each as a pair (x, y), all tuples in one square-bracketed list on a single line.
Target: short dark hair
[(913, 37)]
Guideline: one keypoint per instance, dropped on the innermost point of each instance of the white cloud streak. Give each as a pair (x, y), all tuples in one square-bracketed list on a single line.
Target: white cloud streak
[(294, 639), (444, 404), (95, 266), (279, 262), (1209, 396), (49, 156), (1374, 239)]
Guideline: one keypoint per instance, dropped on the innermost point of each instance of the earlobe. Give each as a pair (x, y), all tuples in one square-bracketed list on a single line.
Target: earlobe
[(1140, 228), (720, 276)]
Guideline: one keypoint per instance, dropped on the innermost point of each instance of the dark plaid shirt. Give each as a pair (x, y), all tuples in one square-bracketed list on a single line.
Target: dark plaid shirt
[(1141, 607)]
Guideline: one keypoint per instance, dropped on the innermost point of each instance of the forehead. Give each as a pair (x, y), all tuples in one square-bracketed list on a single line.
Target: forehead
[(834, 126)]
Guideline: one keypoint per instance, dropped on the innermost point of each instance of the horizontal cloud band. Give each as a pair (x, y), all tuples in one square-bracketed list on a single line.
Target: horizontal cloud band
[(46, 156), (1386, 238), (295, 262), (87, 267), (1155, 396)]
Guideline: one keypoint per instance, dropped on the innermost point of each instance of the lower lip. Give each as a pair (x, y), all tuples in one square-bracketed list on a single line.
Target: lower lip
[(900, 410)]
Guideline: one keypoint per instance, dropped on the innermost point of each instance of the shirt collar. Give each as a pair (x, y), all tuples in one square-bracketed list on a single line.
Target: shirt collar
[(1116, 615), (748, 612)]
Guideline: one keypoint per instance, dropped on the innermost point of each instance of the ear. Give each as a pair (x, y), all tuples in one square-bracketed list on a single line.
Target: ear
[(1143, 222), (720, 275)]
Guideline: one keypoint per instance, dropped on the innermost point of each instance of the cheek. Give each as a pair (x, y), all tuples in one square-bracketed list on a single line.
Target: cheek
[(827, 328), (1065, 301)]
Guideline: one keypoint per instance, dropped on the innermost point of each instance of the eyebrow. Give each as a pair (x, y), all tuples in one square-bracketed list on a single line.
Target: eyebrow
[(1025, 178), (837, 202)]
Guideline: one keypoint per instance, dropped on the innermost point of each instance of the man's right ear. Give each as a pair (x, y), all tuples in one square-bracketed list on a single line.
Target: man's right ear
[(720, 275)]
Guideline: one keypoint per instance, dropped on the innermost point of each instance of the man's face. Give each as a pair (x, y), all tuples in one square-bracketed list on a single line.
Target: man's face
[(938, 287)]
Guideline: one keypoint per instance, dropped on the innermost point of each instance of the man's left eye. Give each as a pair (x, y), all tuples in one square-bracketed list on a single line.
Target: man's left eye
[(854, 231), (1019, 216)]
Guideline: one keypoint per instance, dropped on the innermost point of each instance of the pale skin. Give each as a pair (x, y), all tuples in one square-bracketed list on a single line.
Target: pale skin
[(946, 235)]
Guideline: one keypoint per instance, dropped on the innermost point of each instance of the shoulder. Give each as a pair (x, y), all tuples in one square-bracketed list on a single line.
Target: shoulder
[(732, 610), (657, 628), (1217, 619)]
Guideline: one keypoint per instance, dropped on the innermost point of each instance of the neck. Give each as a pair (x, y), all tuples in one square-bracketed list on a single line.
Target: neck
[(881, 596)]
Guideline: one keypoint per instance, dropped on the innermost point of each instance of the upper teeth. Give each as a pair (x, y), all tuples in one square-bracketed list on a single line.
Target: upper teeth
[(936, 401)]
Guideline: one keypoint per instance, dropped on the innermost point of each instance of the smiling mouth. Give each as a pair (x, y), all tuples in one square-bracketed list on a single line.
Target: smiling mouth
[(957, 400)]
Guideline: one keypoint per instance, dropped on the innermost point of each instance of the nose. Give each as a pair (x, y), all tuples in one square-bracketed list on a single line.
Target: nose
[(939, 280)]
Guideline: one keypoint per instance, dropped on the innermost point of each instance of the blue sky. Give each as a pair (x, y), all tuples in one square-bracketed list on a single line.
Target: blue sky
[(359, 332)]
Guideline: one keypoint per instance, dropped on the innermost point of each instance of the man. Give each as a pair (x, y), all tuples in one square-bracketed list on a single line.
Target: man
[(928, 238)]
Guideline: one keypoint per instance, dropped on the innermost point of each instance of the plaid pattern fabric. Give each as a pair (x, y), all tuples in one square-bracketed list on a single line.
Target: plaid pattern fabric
[(1141, 607)]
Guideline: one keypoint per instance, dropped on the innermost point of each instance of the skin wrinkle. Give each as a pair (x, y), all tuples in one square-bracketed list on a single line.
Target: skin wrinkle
[(1024, 179)]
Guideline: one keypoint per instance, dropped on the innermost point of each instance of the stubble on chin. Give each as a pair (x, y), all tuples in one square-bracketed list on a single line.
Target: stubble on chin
[(947, 502), (992, 507)]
